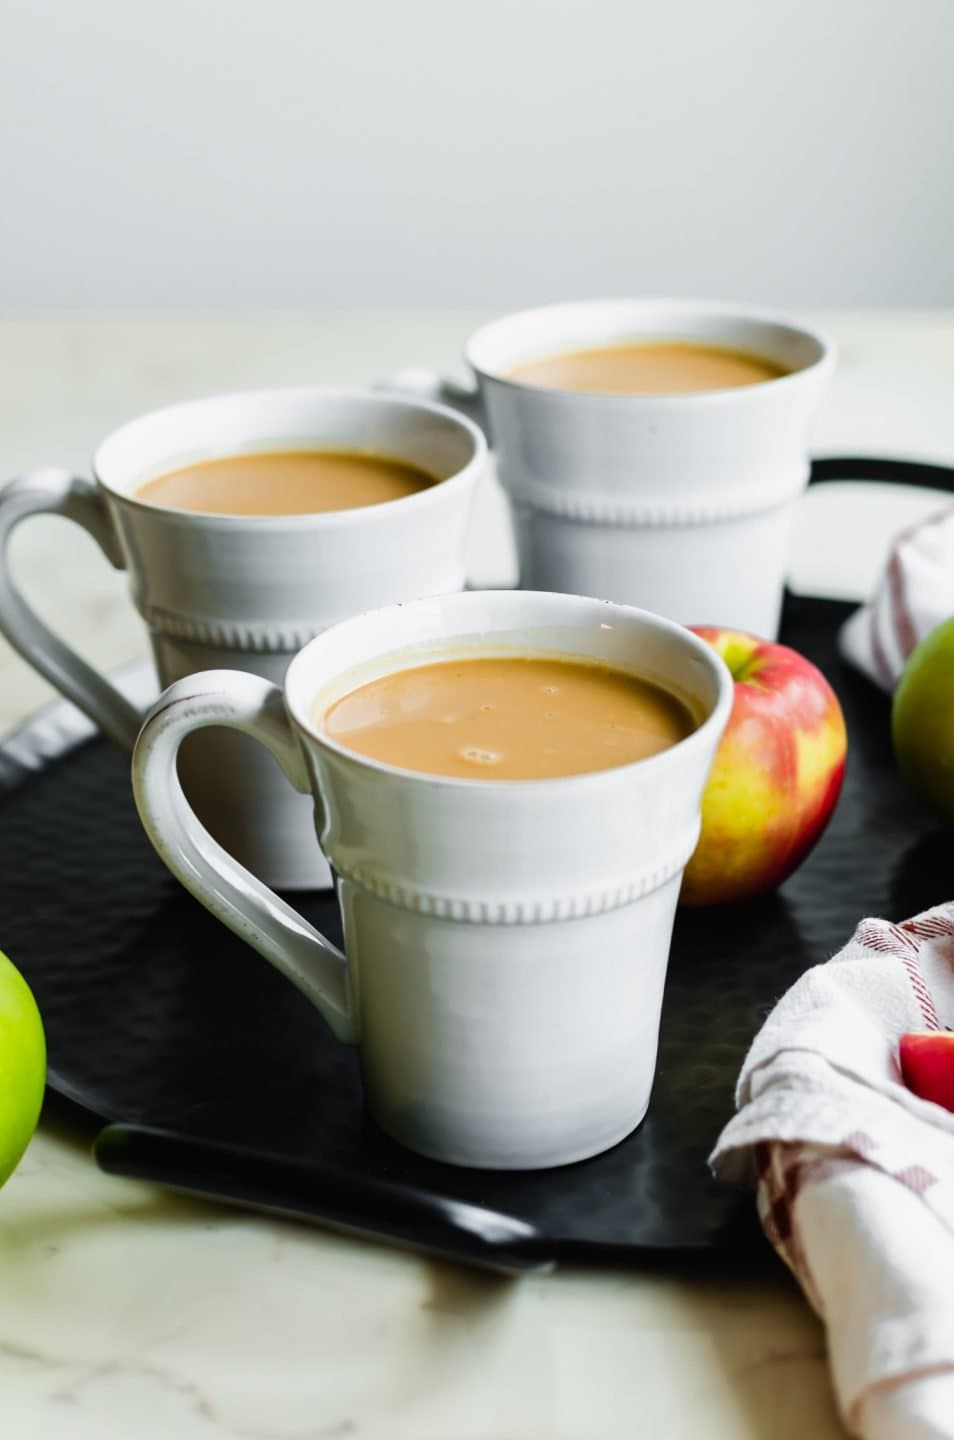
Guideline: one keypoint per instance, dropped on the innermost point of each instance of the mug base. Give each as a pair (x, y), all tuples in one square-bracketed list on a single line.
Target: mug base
[(507, 1155)]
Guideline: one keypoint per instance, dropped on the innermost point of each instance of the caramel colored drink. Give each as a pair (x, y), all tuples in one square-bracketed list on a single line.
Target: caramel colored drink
[(509, 718), (670, 367), (285, 482)]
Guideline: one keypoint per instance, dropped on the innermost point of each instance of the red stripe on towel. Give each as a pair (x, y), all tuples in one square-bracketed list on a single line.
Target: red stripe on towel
[(916, 1178), (904, 942)]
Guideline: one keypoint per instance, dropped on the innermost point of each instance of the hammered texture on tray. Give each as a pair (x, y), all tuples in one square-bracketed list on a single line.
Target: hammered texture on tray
[(155, 1014)]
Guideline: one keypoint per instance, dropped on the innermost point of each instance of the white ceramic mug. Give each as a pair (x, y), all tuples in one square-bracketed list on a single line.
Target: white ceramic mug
[(249, 591), (506, 940), (678, 503)]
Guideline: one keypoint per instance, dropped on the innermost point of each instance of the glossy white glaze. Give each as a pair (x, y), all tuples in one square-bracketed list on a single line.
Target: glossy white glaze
[(677, 503), (248, 592), (506, 940)]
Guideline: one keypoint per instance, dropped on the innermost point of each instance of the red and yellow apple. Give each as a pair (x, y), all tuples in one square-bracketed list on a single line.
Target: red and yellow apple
[(776, 776), (927, 1065)]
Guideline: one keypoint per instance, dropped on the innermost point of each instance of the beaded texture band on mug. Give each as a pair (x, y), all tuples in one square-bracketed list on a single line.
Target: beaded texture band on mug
[(677, 503), (503, 983), (247, 591)]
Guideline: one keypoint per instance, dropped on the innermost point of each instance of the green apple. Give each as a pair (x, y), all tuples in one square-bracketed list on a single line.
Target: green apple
[(22, 1066), (922, 720)]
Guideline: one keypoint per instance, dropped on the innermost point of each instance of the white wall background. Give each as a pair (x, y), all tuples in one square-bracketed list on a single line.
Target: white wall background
[(241, 153)]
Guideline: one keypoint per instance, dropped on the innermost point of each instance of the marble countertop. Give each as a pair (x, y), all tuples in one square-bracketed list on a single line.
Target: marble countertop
[(125, 1311)]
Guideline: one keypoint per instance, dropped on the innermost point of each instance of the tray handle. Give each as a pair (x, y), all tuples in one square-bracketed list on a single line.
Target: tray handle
[(879, 468)]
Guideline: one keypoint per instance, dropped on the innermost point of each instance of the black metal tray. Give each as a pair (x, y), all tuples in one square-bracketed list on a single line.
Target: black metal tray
[(214, 1075)]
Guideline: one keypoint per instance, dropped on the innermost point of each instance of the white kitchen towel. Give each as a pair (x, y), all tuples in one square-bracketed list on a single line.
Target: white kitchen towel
[(855, 1174), (914, 594)]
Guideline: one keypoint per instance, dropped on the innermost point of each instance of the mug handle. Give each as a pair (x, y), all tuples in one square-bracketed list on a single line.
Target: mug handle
[(57, 492), (233, 895), (418, 384)]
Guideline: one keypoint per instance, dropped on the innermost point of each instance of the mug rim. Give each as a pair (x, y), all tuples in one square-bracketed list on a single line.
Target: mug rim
[(716, 718), (677, 306), (376, 398)]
